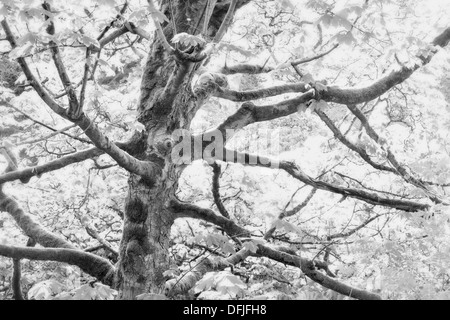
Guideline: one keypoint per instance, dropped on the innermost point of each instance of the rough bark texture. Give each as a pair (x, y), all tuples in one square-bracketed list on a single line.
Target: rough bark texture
[(166, 103)]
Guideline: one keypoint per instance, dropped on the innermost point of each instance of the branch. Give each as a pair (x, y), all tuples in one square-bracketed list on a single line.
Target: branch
[(250, 113), (208, 13), (310, 270), (362, 152), (61, 131), (400, 169), (296, 172), (306, 60), (291, 212), (187, 210), (354, 230), (353, 96), (245, 68), (15, 280), (185, 282), (106, 245), (226, 21), (148, 170), (308, 267), (241, 96), (216, 190), (159, 30), (75, 110), (94, 265), (31, 228), (30, 77)]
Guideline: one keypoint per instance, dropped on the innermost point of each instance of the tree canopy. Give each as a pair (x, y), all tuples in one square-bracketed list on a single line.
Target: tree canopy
[(224, 149)]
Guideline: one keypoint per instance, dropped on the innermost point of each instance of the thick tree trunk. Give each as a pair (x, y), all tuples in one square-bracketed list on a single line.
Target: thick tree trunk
[(167, 103), (145, 241)]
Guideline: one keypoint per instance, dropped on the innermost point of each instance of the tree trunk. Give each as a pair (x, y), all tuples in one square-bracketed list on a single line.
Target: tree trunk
[(145, 240), (166, 104)]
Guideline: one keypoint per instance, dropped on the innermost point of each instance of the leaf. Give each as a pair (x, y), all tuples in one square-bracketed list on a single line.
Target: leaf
[(88, 41), (45, 290), (151, 296), (286, 4), (21, 51), (158, 16), (318, 105), (228, 283), (206, 283)]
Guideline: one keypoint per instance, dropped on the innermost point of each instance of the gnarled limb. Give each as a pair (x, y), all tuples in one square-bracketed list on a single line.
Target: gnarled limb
[(187, 210), (310, 270), (309, 267), (96, 266), (353, 96), (241, 96)]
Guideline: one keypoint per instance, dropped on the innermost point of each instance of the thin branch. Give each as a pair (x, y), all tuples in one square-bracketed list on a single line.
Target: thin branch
[(291, 212), (295, 171), (216, 190), (306, 60), (400, 169), (362, 152), (30, 76), (226, 21), (159, 30), (106, 245), (56, 131), (208, 13), (75, 110)]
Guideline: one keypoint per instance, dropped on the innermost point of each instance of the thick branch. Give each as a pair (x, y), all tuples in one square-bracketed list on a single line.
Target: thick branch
[(94, 265), (352, 96), (148, 170), (16, 280), (307, 266), (250, 113), (31, 228), (241, 96), (310, 270), (245, 68), (187, 210)]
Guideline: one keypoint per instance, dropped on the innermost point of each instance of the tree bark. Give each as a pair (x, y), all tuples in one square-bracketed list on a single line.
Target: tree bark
[(167, 103)]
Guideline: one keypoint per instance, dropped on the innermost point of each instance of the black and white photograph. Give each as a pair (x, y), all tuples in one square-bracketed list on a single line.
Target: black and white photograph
[(224, 155)]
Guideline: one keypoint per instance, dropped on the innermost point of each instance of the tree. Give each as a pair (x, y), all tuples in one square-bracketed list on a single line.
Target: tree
[(177, 81)]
